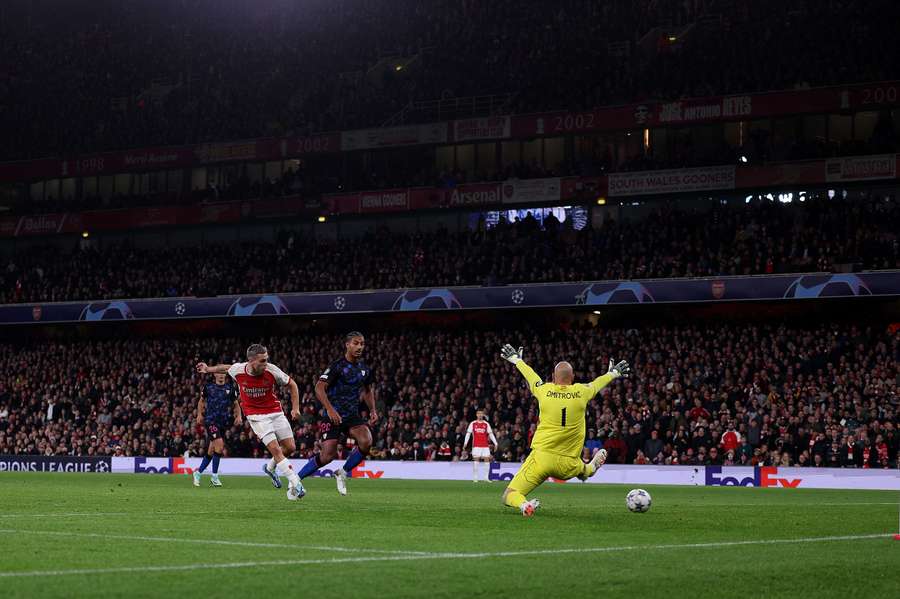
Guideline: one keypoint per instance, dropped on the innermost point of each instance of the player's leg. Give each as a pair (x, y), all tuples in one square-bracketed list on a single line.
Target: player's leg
[(363, 437), (284, 434), (529, 476), (207, 458), (478, 456), (218, 448), (487, 468), (269, 428), (588, 470), (325, 456)]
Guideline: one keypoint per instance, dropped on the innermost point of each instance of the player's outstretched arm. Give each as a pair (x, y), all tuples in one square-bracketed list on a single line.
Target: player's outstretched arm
[(513, 356), (204, 368), (622, 369)]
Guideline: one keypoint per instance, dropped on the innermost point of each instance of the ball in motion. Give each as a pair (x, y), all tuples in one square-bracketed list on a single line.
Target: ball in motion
[(638, 500)]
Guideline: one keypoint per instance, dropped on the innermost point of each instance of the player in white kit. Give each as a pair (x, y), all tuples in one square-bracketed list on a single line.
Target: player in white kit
[(482, 436)]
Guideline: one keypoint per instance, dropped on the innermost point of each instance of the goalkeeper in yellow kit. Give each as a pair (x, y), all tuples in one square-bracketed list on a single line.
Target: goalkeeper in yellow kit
[(557, 443)]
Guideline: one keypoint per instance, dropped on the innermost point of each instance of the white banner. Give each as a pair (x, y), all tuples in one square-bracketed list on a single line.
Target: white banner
[(671, 181), (769, 476), (517, 191), (366, 139), (492, 127), (861, 168)]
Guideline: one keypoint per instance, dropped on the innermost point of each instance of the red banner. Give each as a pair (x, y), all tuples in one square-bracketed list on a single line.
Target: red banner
[(153, 159), (861, 168), (389, 200), (850, 98), (548, 191), (474, 194), (869, 96), (494, 127), (640, 183)]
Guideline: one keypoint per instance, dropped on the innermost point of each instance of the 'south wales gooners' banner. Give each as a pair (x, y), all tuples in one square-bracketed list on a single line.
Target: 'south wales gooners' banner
[(671, 181)]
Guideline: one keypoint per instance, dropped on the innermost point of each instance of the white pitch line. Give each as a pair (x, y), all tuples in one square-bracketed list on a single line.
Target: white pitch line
[(616, 506), (106, 514), (431, 556), (780, 505), (94, 535)]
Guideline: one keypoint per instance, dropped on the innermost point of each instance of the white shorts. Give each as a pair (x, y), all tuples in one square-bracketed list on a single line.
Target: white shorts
[(269, 427), (481, 452)]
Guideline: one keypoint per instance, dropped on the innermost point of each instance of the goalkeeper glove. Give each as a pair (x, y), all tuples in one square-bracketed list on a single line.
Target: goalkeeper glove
[(620, 369), (508, 353)]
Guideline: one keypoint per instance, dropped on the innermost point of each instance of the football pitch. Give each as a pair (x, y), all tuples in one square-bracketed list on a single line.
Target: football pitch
[(90, 535)]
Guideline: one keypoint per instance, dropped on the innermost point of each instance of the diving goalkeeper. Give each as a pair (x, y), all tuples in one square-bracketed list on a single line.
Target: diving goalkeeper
[(557, 443)]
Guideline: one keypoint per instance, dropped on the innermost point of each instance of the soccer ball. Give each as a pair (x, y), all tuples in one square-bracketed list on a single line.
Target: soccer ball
[(638, 500)]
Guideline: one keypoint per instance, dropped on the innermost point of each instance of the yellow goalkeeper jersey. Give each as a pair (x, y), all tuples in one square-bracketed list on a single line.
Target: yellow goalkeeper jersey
[(561, 429)]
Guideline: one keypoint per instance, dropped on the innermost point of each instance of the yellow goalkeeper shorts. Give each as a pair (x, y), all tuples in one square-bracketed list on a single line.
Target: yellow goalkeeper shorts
[(541, 465)]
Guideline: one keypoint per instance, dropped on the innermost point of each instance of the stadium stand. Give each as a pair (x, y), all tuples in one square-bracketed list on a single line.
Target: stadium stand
[(823, 395), (763, 237), (114, 75)]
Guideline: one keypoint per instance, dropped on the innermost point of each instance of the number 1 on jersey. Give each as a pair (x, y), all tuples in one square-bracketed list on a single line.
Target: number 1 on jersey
[(563, 423)]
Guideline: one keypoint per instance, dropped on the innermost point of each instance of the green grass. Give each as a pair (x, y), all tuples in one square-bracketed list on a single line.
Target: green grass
[(102, 517)]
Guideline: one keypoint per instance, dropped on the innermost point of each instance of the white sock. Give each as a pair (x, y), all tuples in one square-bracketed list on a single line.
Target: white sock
[(284, 468), (271, 465), (474, 470)]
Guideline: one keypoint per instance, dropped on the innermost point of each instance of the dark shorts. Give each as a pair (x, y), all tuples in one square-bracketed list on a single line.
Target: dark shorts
[(338, 431), (215, 430)]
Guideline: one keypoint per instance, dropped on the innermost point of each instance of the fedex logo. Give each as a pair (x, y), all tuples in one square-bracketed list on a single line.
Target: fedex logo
[(161, 466), (358, 472), (495, 473), (765, 476)]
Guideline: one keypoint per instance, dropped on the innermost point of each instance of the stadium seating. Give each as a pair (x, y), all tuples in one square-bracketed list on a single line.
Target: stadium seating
[(821, 395), (118, 75), (762, 237)]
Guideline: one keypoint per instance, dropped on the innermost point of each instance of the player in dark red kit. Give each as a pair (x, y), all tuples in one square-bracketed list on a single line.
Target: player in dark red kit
[(256, 379), (341, 388)]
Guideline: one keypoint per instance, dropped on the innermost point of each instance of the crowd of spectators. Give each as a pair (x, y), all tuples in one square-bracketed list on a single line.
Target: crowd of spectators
[(763, 237), (107, 75), (824, 395)]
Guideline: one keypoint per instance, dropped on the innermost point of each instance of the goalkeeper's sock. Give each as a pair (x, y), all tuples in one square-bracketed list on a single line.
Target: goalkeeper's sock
[(204, 463), (515, 499)]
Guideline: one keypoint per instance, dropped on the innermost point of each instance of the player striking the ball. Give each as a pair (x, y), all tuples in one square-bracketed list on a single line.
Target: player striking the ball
[(216, 401), (559, 438), (340, 389), (256, 380), (482, 435)]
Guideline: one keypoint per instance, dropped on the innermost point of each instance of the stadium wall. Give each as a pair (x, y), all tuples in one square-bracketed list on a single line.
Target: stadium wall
[(768, 476)]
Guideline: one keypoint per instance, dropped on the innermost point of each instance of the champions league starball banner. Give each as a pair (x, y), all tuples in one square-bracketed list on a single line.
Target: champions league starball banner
[(725, 289)]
